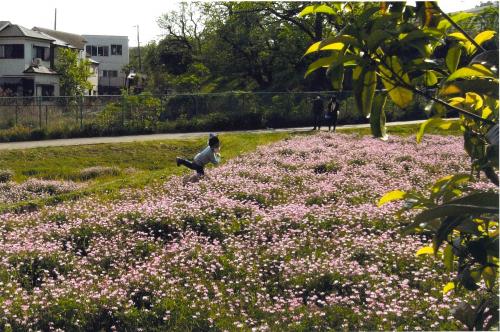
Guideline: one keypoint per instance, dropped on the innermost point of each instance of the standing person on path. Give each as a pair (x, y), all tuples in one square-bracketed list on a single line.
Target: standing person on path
[(332, 113), (317, 110), (211, 154)]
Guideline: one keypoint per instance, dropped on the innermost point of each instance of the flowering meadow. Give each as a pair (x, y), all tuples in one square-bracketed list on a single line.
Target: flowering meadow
[(288, 237), (11, 192)]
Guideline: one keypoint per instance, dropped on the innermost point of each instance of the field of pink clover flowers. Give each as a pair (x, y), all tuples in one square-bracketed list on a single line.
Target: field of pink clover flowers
[(286, 238)]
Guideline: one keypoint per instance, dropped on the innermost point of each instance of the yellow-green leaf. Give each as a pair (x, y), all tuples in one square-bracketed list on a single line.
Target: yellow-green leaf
[(474, 99), (432, 121), (444, 24), (461, 16), (453, 58), (448, 257), (430, 78), (450, 89), (480, 39), (425, 251), (455, 101), (484, 36), (324, 9), (323, 62), (391, 196), (458, 35), (476, 275), (399, 95), (368, 92), (448, 287), (356, 72), (306, 11), (313, 48), (445, 125), (377, 117), (337, 77), (489, 276), (333, 47), (476, 70), (486, 112)]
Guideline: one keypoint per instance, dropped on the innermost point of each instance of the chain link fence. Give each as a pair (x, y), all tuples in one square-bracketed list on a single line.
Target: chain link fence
[(57, 117)]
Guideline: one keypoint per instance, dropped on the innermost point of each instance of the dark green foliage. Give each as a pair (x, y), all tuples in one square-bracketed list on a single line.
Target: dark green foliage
[(330, 167), (6, 175), (31, 269)]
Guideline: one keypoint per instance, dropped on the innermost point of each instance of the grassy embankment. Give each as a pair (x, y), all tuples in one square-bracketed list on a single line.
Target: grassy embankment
[(138, 163)]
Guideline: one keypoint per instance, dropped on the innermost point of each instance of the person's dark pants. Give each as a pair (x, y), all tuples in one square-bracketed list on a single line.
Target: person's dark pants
[(332, 122), (317, 121), (191, 165)]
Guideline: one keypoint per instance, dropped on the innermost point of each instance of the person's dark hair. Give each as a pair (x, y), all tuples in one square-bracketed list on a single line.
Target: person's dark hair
[(213, 142)]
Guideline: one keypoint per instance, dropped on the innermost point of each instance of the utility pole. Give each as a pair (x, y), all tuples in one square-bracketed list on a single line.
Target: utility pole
[(139, 48), (55, 18)]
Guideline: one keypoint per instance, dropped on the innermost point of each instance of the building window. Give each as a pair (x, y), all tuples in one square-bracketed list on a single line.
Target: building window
[(41, 52), (116, 49), (47, 90), (103, 50), (12, 51), (91, 50), (110, 73)]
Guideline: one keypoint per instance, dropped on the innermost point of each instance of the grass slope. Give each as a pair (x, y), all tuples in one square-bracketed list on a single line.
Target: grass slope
[(141, 163)]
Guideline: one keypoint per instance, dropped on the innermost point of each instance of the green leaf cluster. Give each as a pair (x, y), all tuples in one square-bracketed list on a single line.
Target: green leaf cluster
[(73, 73), (398, 51)]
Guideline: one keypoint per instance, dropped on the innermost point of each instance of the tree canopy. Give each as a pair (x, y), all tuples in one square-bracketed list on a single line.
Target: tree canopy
[(74, 73)]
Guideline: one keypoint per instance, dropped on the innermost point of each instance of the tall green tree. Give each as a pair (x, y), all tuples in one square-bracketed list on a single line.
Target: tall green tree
[(243, 45), (73, 73)]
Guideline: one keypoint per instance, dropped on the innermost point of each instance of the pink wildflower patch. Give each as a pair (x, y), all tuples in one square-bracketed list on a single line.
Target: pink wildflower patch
[(286, 238)]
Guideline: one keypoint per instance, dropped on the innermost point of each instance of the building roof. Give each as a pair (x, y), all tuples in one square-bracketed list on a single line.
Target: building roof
[(39, 70), (105, 36), (15, 30), (3, 24), (58, 42), (71, 39)]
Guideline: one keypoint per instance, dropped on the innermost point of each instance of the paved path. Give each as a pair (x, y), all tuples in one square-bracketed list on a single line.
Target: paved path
[(153, 137)]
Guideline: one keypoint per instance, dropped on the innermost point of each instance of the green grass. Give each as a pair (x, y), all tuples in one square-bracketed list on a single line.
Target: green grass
[(141, 163), (408, 130)]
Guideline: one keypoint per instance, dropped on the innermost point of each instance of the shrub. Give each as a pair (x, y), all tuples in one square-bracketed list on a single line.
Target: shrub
[(51, 187), (17, 133), (31, 269), (98, 171), (6, 175)]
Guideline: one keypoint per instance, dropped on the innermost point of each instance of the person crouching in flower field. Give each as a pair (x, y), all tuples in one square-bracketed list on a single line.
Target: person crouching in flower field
[(211, 154)]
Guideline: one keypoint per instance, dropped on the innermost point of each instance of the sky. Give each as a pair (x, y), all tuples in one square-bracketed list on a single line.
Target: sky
[(105, 17)]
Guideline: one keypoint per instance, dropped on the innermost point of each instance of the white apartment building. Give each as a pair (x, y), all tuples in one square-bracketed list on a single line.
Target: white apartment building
[(112, 54), (25, 62)]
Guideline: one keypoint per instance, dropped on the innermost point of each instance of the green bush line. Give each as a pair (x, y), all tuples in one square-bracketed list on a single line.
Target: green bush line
[(146, 114)]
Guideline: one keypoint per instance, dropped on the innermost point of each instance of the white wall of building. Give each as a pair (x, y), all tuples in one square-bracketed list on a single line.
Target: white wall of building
[(17, 66), (46, 80), (14, 68), (110, 62)]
